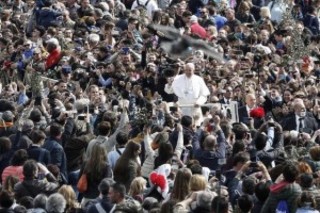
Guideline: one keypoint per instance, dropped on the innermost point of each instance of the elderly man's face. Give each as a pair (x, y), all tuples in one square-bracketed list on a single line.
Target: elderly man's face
[(251, 100), (264, 35), (300, 109), (189, 71)]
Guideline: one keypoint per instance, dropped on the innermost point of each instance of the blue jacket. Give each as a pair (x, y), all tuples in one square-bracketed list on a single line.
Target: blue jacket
[(210, 158), (47, 17), (58, 157), (312, 23)]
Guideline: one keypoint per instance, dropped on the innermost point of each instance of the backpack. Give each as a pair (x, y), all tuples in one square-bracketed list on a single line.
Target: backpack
[(282, 207), (100, 208)]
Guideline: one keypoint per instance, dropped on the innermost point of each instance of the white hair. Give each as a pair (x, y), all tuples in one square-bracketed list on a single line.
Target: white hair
[(53, 41), (94, 38), (191, 65), (56, 203)]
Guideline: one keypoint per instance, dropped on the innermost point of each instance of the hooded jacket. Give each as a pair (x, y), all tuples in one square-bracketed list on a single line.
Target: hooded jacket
[(47, 17), (282, 191)]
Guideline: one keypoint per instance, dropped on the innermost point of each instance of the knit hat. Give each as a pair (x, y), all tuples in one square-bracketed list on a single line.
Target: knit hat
[(193, 18), (8, 116)]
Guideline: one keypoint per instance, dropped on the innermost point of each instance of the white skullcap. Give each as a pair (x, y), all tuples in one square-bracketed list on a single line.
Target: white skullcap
[(53, 41)]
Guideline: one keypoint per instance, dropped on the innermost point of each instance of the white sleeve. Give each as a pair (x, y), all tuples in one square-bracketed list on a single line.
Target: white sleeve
[(204, 92), (134, 5), (168, 89)]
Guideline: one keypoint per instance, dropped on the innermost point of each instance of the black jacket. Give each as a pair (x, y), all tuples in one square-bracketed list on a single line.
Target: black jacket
[(34, 187), (310, 123)]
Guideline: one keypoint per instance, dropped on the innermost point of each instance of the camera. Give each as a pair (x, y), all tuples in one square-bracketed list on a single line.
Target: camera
[(37, 101), (254, 164), (158, 101)]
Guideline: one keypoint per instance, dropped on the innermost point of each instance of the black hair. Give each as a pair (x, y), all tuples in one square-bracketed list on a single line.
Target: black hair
[(122, 138), (6, 199), (165, 154), (26, 201), (35, 115), (306, 180), (55, 130), (245, 203), (104, 128), (248, 185), (29, 169), (20, 156), (290, 172), (5, 145), (120, 188), (260, 141), (186, 121), (241, 157), (196, 169), (37, 136), (262, 191), (238, 146), (221, 204)]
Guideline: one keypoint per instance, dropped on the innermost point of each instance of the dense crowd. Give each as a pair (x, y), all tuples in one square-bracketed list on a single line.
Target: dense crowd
[(159, 106)]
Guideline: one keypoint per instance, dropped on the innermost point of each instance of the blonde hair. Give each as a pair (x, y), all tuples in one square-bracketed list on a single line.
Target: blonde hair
[(69, 195), (265, 12), (137, 186), (198, 183), (213, 30)]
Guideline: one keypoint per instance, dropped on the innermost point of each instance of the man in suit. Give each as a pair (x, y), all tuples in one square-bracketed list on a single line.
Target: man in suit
[(244, 111), (227, 96), (300, 120)]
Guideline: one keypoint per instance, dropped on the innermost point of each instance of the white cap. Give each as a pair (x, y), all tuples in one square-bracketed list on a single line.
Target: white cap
[(194, 18), (53, 41)]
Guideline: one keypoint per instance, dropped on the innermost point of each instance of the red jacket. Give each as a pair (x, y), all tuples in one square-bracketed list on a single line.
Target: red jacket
[(197, 29), (53, 58)]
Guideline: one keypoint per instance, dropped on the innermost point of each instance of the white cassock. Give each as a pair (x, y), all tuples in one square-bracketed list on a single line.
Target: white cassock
[(191, 91)]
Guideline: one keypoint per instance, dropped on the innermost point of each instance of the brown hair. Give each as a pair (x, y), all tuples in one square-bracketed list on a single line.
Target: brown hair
[(181, 186), (315, 153), (304, 167)]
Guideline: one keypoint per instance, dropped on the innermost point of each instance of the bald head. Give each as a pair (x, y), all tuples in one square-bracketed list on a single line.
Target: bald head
[(210, 142)]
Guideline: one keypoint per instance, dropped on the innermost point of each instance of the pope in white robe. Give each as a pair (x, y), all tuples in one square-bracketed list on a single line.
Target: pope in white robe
[(191, 91)]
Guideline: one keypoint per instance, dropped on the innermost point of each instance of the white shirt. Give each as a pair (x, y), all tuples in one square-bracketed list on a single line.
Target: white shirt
[(151, 6), (113, 156), (277, 10)]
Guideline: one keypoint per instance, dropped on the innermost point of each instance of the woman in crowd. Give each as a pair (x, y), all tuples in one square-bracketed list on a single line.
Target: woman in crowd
[(95, 169), (16, 168), (127, 166), (69, 195)]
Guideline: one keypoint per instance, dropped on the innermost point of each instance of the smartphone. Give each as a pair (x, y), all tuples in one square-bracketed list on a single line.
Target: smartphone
[(37, 101), (254, 164), (81, 117), (173, 109)]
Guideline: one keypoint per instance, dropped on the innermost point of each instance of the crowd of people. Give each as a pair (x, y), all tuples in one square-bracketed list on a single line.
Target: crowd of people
[(120, 106)]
